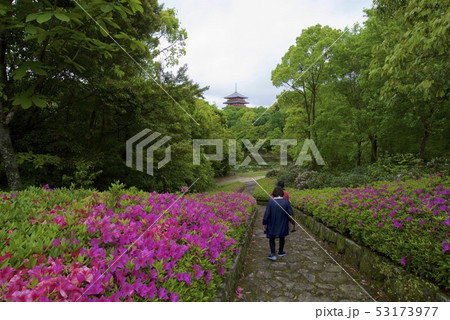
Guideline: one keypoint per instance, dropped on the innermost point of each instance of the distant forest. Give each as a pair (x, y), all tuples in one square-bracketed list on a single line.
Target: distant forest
[(70, 97)]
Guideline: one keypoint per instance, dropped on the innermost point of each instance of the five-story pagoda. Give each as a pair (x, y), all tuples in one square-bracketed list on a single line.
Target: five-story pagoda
[(236, 99)]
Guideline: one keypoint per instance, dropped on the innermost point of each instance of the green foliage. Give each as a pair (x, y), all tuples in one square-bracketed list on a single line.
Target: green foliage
[(404, 285), (230, 187), (254, 124), (304, 70), (213, 126), (369, 94), (38, 160), (31, 239), (84, 176), (70, 95), (420, 232), (289, 173), (324, 179), (389, 168), (73, 97), (414, 61)]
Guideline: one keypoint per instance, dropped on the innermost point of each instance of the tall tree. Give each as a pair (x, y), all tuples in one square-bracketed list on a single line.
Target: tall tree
[(414, 57), (302, 68), (349, 68), (48, 47)]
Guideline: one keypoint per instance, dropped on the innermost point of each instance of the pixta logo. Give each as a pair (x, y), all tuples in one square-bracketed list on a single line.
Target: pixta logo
[(149, 146), (303, 156)]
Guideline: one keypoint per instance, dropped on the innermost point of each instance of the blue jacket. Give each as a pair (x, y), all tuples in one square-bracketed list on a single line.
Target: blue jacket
[(276, 218)]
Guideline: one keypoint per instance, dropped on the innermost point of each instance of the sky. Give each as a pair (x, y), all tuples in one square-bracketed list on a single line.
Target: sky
[(242, 41)]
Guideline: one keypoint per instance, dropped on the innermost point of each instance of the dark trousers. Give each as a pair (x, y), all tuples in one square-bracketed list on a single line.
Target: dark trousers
[(272, 245)]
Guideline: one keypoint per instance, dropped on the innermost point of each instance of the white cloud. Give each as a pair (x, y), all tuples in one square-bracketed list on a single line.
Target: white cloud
[(243, 41)]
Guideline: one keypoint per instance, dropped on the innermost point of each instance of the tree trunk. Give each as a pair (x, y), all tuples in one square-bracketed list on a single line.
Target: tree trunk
[(6, 147), (358, 155), (426, 132), (374, 149), (9, 159), (423, 143), (308, 113)]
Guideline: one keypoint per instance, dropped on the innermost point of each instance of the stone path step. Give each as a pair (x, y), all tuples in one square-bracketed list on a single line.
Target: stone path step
[(306, 273)]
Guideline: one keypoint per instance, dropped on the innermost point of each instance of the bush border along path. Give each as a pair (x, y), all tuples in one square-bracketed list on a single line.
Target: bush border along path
[(398, 283), (226, 291)]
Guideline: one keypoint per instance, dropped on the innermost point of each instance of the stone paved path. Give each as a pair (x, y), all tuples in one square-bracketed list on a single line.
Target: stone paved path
[(306, 273)]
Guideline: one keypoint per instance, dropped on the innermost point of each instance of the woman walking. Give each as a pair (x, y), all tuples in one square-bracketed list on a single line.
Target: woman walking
[(276, 221)]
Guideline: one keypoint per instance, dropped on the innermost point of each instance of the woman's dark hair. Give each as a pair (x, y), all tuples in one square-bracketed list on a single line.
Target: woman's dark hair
[(280, 184), (278, 192)]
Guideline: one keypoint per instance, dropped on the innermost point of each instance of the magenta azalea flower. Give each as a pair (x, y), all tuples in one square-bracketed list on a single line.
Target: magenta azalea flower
[(198, 271), (60, 220), (403, 261), (207, 276), (56, 242), (174, 297), (397, 224), (186, 277), (239, 292), (446, 222), (6, 273), (163, 294), (445, 246)]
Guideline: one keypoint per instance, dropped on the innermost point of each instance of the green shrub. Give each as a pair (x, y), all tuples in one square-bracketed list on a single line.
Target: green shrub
[(405, 220), (304, 178), (272, 173), (289, 173), (264, 188)]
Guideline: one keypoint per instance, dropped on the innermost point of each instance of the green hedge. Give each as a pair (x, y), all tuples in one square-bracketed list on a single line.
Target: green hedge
[(408, 221)]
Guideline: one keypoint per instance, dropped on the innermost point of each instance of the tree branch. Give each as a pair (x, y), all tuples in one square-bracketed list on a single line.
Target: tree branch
[(10, 114)]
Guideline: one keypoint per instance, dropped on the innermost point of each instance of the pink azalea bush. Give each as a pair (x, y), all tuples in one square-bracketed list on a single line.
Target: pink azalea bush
[(60, 245), (407, 221)]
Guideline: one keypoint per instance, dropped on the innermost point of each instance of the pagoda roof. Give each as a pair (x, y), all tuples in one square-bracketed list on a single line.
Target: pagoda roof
[(233, 102), (236, 95)]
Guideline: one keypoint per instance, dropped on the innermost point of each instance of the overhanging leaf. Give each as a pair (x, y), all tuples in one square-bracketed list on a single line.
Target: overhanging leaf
[(62, 17), (39, 102), (106, 8), (20, 72), (22, 100), (44, 17), (31, 17)]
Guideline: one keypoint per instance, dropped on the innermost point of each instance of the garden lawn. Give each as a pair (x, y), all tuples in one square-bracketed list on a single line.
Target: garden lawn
[(408, 221), (229, 187), (80, 245)]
